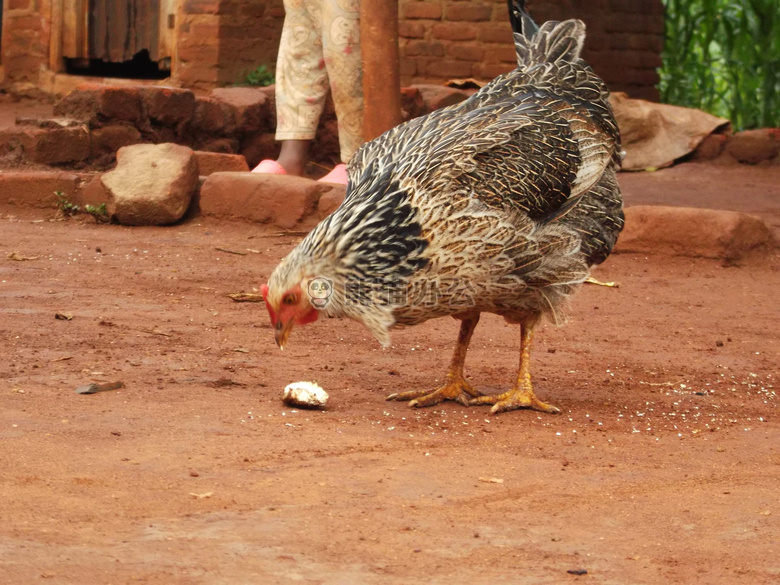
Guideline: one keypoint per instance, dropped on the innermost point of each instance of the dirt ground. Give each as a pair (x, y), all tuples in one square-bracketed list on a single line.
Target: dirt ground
[(663, 468)]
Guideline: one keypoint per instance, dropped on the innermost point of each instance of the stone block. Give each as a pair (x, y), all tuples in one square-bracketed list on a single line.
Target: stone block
[(152, 184), (37, 188), (693, 232), (284, 201), (330, 201), (754, 146), (61, 145), (710, 148), (98, 104)]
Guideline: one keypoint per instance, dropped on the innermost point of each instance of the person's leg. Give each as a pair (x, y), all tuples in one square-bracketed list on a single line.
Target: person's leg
[(341, 49), (301, 84), (293, 156)]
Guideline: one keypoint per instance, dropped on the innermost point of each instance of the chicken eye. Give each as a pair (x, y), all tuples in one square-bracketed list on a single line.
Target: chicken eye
[(290, 300)]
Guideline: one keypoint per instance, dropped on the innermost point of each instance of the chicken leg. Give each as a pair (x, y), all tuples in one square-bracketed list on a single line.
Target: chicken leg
[(522, 394), (456, 387)]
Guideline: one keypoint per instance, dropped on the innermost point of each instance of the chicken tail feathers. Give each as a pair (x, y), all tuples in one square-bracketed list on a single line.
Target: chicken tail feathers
[(522, 23), (552, 42)]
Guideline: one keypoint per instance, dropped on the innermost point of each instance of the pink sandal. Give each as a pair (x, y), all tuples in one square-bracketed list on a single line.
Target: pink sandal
[(269, 167), (337, 175)]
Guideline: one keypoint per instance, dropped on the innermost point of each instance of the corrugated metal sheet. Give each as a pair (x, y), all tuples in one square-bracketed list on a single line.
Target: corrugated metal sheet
[(118, 29)]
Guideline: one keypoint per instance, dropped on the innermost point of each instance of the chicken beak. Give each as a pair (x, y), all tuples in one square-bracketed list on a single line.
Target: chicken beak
[(282, 332)]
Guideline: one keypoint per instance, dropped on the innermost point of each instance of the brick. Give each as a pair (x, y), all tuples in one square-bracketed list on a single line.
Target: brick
[(257, 147), (408, 68), (637, 6), (25, 66), (467, 52), (454, 31), (496, 34), (501, 55), (467, 11), (283, 201), (637, 23), (201, 6), (224, 145), (109, 139), (213, 162), (429, 49), (213, 116), (27, 22), (639, 76), (166, 105), (202, 72), (250, 105), (448, 68), (422, 10), (198, 53), (95, 103), (636, 41), (411, 30), (36, 188), (639, 59), (58, 146), (252, 11)]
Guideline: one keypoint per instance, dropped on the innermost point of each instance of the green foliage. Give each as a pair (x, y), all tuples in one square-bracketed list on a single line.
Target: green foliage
[(65, 206), (69, 209), (259, 77), (723, 56), (99, 212)]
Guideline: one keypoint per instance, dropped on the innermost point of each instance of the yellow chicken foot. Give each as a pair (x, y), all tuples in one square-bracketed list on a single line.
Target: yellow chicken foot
[(456, 387), (522, 394)]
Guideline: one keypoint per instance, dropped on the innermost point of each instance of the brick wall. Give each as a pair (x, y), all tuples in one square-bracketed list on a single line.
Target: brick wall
[(220, 40), (446, 39), (25, 39)]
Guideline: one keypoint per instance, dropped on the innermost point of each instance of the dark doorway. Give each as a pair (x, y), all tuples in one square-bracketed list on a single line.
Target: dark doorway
[(139, 67)]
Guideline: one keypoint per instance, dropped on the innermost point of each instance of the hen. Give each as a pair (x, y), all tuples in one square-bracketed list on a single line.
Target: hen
[(498, 204)]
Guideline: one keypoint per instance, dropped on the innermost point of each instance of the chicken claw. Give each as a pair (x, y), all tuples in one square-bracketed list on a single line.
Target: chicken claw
[(456, 388), (514, 399), (522, 394)]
